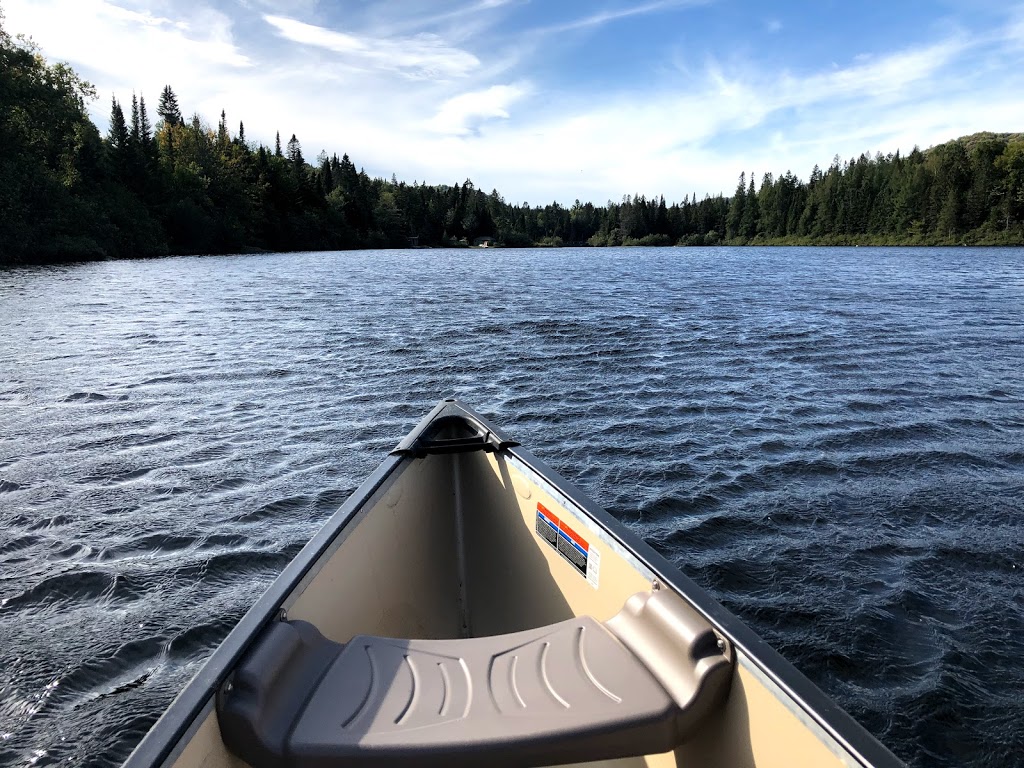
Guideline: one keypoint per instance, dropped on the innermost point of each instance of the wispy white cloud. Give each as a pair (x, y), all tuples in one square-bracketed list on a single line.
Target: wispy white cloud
[(422, 56), (144, 18), (459, 114), (604, 17), (887, 74), (746, 98), (462, 14), (295, 7)]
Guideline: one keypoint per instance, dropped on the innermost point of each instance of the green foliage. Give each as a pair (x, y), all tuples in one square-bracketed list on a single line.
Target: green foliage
[(50, 155), (551, 241), (515, 240), (648, 240), (182, 187), (734, 221)]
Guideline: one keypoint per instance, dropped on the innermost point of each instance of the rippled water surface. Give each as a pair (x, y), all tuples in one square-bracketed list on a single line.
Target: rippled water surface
[(830, 440)]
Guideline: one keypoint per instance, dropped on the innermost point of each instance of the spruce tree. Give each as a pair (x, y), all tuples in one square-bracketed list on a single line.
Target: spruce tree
[(277, 145), (295, 150), (751, 212), (734, 220), (118, 135), (168, 108), (348, 177), (136, 132), (145, 129), (326, 177), (136, 159), (661, 225)]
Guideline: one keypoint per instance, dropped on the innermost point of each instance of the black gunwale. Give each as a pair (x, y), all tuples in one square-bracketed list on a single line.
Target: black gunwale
[(180, 716)]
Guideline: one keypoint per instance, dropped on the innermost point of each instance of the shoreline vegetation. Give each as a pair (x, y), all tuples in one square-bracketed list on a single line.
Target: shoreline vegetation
[(180, 186)]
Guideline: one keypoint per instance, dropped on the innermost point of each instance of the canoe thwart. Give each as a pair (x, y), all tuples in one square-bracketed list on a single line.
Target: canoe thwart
[(574, 691)]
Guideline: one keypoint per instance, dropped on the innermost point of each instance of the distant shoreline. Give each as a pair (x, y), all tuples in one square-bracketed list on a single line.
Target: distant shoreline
[(35, 263)]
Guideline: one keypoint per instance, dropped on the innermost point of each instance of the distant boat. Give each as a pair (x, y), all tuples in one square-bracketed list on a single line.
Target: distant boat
[(467, 606)]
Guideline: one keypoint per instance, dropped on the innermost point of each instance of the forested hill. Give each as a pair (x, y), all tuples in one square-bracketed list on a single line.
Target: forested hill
[(165, 184)]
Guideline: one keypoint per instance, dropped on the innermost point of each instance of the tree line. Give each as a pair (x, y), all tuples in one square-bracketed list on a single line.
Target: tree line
[(166, 184)]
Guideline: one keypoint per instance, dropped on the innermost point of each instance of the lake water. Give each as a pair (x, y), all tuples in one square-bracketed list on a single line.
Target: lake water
[(830, 440)]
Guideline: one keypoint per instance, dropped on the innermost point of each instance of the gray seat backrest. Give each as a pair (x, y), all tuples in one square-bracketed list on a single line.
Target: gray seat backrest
[(574, 691)]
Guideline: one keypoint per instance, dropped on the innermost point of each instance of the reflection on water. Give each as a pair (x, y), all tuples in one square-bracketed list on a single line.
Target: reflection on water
[(831, 440)]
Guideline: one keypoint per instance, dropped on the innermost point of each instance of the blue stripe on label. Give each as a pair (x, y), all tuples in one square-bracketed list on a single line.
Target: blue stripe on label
[(567, 540)]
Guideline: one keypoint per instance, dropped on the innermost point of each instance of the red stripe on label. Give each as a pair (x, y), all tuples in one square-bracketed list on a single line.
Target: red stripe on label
[(547, 513), (573, 535)]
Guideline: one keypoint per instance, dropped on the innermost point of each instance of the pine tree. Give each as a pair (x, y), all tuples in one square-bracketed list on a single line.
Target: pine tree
[(326, 177), (661, 225), (137, 151), (735, 218), (949, 215), (768, 197), (241, 132), (118, 136), (349, 179), (136, 132), (751, 212), (168, 108), (145, 129), (222, 130), (277, 145), (295, 150)]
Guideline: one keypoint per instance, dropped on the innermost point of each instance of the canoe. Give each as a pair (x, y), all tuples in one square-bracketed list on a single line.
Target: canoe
[(468, 606)]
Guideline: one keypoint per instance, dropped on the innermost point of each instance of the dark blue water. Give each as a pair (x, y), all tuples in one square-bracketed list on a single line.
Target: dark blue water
[(831, 440)]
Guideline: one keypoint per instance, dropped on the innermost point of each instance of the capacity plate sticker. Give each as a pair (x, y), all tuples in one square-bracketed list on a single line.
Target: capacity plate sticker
[(569, 544)]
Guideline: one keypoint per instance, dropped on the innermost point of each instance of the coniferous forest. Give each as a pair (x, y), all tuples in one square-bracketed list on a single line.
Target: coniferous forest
[(162, 183)]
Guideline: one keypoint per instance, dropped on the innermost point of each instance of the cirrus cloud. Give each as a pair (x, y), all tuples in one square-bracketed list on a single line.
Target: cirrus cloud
[(422, 56)]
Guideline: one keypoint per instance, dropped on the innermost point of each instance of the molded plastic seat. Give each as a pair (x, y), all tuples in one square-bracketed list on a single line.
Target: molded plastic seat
[(570, 692)]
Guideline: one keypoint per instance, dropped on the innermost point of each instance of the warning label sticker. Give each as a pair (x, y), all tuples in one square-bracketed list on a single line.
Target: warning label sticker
[(569, 544)]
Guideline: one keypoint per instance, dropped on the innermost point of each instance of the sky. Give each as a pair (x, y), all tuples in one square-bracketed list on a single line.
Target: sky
[(552, 100)]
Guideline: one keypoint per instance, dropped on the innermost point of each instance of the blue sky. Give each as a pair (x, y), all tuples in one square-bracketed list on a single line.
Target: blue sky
[(547, 100)]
